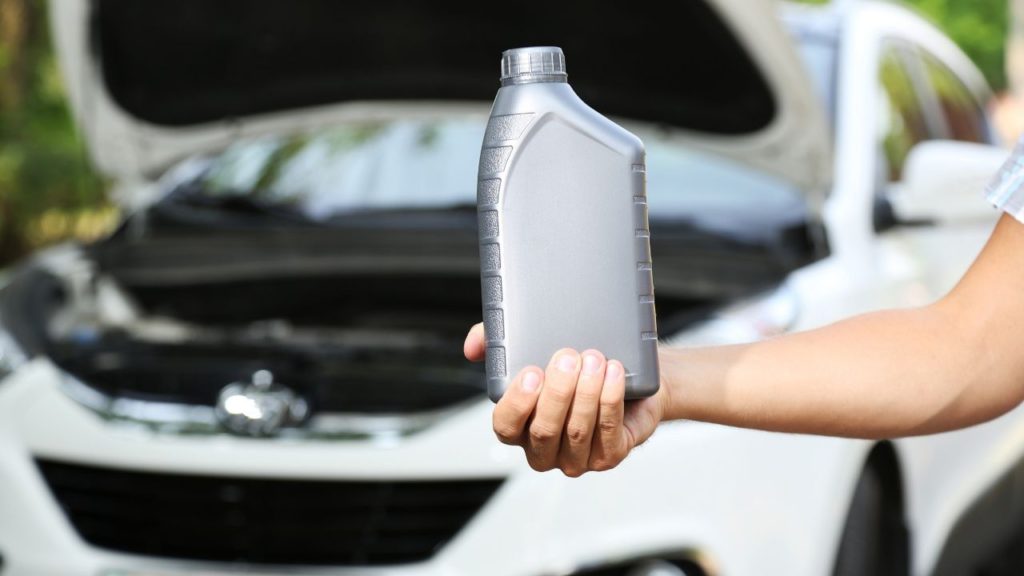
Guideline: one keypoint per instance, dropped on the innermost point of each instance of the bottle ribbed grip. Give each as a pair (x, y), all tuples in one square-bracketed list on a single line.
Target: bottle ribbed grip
[(644, 266), (502, 135)]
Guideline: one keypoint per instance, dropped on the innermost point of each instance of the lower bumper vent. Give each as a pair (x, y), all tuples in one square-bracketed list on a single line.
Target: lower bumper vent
[(229, 519)]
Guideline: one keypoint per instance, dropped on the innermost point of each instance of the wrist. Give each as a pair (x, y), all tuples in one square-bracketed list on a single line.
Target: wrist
[(667, 381)]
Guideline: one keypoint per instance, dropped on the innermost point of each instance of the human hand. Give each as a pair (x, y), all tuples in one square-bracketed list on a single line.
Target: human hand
[(571, 415)]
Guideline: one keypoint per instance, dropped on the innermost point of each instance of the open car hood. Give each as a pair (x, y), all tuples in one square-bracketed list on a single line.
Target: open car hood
[(153, 82)]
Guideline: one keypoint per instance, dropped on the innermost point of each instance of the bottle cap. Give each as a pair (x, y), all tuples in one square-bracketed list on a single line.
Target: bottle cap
[(533, 64)]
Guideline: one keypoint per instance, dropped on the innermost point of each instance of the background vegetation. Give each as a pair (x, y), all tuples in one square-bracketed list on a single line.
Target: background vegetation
[(979, 27), (49, 192)]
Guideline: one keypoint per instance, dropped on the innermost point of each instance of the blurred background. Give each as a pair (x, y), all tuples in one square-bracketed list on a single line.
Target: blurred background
[(49, 191), (48, 187), (231, 324)]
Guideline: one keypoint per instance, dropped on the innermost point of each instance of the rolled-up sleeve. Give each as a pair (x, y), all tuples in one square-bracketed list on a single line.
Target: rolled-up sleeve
[(1006, 190)]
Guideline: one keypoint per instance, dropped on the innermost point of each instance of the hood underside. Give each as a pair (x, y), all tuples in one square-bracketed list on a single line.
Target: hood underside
[(273, 57), (152, 82)]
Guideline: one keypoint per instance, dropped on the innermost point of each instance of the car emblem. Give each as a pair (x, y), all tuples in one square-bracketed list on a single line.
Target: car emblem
[(260, 408)]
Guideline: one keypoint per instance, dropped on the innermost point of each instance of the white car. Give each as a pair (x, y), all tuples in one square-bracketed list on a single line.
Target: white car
[(260, 371)]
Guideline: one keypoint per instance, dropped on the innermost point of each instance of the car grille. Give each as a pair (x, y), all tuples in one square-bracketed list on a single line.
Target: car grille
[(335, 523), (367, 383)]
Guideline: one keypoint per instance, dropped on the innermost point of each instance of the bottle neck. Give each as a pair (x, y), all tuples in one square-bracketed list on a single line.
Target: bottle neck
[(534, 79)]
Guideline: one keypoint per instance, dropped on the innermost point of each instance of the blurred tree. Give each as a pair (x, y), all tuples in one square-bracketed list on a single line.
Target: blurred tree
[(45, 175), (980, 27)]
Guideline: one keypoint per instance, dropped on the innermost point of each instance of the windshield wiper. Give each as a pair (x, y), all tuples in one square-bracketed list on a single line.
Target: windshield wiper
[(251, 206), (403, 210), (235, 202)]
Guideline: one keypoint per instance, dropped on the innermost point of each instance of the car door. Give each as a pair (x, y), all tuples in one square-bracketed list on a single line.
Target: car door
[(924, 99), (950, 477)]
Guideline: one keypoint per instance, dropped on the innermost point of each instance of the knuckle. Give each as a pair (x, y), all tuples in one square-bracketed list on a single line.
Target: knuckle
[(520, 405), (611, 400), (562, 394), (608, 425), (537, 464), (577, 433), (507, 433), (606, 460), (589, 392), (572, 471), (542, 433)]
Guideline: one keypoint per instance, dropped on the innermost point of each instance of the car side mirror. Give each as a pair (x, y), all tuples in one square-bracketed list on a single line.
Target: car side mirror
[(943, 182)]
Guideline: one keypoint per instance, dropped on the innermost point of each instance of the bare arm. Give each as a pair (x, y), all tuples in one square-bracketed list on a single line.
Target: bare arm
[(957, 362)]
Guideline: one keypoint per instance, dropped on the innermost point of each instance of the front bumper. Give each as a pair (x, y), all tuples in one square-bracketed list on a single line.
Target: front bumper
[(742, 500)]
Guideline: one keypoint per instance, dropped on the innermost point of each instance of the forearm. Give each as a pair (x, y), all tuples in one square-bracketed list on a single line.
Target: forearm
[(886, 374)]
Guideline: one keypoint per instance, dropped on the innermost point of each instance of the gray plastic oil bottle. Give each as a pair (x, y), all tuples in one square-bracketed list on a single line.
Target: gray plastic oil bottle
[(564, 242)]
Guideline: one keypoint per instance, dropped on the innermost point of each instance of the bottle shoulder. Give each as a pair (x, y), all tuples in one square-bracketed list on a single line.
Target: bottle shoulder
[(546, 100)]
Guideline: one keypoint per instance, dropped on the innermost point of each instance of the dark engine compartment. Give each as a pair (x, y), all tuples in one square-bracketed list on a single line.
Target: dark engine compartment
[(366, 318)]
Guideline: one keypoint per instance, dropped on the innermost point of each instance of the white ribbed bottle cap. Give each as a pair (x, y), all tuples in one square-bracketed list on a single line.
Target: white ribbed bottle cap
[(533, 64)]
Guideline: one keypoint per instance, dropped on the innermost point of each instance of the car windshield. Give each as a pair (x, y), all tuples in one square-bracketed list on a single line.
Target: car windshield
[(430, 164)]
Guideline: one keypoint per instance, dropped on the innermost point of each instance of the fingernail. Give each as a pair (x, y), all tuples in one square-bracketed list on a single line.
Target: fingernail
[(567, 363), (613, 372), (531, 381), (591, 363)]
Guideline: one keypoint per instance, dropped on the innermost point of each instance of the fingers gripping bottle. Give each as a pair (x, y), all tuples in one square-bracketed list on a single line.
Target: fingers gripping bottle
[(564, 242)]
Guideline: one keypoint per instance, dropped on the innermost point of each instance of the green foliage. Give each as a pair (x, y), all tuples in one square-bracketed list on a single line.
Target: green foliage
[(980, 27), (44, 168)]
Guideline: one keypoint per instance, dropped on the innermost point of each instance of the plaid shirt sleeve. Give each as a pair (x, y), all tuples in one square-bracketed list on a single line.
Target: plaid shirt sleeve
[(1006, 190)]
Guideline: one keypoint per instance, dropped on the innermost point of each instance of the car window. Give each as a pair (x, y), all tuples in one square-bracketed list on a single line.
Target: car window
[(902, 122), (431, 164), (964, 116)]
